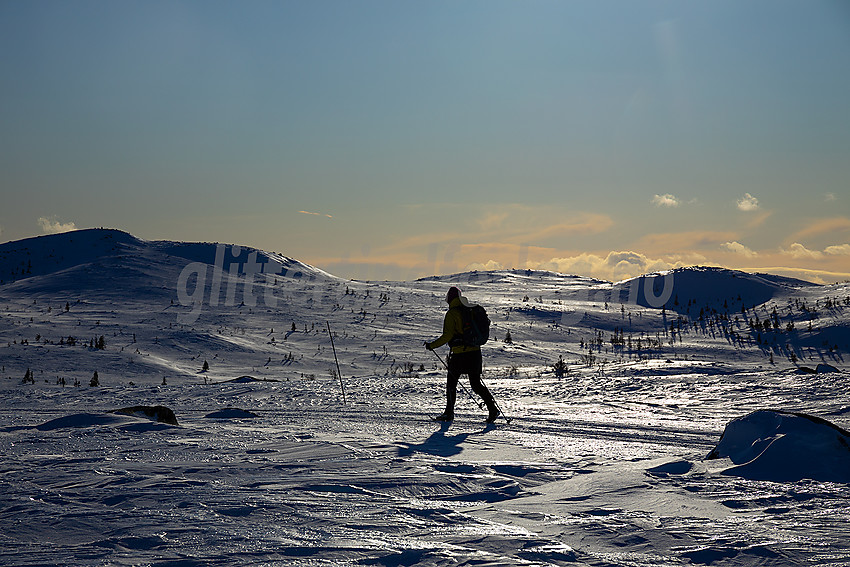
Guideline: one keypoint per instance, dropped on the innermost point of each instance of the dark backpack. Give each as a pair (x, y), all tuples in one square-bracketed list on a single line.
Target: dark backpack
[(476, 325)]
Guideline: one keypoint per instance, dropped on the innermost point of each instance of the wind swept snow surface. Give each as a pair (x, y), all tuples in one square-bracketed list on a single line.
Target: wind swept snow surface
[(603, 464)]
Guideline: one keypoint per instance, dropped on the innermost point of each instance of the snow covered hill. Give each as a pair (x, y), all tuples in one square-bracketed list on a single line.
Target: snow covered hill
[(603, 464), (716, 288), (113, 249)]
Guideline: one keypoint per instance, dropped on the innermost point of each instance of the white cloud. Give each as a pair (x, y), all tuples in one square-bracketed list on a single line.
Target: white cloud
[(739, 248), (666, 200), (52, 225), (615, 266), (839, 250), (797, 250), (487, 266), (748, 203), (829, 197)]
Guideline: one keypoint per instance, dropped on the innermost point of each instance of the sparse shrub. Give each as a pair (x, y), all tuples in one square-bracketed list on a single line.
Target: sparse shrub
[(508, 339), (560, 368), (408, 368)]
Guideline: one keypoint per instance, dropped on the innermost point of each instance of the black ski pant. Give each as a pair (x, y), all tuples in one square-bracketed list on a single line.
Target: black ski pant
[(468, 363)]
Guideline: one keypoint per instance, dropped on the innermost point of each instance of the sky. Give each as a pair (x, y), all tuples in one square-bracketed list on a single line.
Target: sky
[(394, 140)]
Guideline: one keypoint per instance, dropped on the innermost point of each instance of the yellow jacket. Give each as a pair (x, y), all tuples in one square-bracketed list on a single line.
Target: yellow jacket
[(453, 328)]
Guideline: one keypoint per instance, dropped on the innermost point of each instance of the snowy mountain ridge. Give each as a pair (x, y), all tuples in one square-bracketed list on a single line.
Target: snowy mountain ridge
[(48, 254)]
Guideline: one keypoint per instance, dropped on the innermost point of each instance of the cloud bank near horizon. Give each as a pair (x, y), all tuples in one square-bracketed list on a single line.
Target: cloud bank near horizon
[(52, 225)]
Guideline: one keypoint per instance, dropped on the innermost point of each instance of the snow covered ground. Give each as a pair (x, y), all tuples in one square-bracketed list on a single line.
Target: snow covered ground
[(605, 465)]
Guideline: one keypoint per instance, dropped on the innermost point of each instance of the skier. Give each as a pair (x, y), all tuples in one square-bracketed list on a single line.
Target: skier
[(463, 359)]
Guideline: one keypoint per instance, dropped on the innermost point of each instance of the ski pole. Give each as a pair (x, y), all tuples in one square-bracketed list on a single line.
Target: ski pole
[(462, 387), (338, 372)]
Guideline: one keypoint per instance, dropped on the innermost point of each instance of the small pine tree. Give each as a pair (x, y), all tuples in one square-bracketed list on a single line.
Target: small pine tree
[(95, 380), (206, 366), (508, 339)]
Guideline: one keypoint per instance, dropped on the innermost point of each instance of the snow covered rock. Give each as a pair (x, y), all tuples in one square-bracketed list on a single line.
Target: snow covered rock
[(785, 447), (231, 413), (822, 368), (160, 414), (248, 379), (138, 418)]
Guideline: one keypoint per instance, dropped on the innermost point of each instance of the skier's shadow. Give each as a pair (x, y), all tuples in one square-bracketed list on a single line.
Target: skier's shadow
[(439, 443)]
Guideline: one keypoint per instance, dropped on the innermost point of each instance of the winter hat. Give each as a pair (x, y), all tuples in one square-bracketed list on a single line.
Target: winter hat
[(452, 293)]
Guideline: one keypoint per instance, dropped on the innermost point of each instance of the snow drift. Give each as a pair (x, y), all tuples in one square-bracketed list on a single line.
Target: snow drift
[(785, 447)]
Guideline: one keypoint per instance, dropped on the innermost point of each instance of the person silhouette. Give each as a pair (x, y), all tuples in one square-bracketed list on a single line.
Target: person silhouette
[(463, 358)]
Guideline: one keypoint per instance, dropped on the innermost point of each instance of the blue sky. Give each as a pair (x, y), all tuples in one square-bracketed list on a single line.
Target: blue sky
[(386, 139)]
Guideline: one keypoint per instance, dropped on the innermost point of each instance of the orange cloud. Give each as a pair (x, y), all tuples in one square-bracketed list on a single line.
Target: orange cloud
[(797, 250), (315, 214), (689, 241), (822, 226), (584, 224), (807, 274), (838, 250), (756, 220)]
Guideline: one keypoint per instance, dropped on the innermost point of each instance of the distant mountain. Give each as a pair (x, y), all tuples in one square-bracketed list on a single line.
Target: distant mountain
[(706, 286), (675, 290), (22, 259), (78, 254)]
